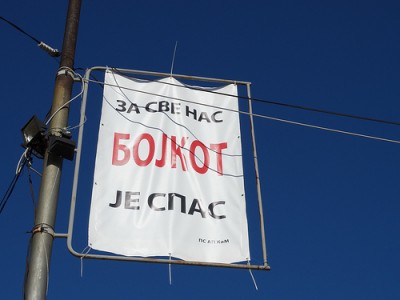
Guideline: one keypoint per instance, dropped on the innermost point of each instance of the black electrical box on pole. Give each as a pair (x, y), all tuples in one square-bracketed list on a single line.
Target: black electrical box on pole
[(43, 231)]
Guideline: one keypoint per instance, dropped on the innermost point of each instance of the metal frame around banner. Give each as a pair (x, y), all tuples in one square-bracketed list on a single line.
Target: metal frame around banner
[(86, 255)]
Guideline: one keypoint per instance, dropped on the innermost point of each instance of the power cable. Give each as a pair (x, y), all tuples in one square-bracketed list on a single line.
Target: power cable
[(259, 115), (301, 107), (20, 30), (76, 77), (63, 106), (42, 45), (25, 160), (55, 53), (11, 187), (329, 129)]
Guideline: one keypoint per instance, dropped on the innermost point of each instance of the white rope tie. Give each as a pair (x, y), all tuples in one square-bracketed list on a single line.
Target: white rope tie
[(170, 271), (87, 249), (252, 277), (173, 58), (21, 161)]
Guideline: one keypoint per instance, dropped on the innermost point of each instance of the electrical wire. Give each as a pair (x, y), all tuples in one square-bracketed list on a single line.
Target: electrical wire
[(21, 163), (77, 126), (329, 129), (262, 116), (301, 107), (74, 75), (54, 53), (24, 161), (255, 115), (20, 30), (68, 102), (8, 193), (51, 51)]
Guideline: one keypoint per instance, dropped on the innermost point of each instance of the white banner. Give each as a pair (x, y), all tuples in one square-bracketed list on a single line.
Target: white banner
[(168, 176)]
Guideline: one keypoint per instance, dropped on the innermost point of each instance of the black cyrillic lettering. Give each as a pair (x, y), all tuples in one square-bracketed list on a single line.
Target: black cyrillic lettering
[(171, 202), (188, 112), (211, 210), (130, 202), (194, 209), (117, 200), (122, 106), (151, 201)]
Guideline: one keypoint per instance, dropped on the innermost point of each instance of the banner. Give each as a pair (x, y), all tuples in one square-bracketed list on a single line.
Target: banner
[(168, 177)]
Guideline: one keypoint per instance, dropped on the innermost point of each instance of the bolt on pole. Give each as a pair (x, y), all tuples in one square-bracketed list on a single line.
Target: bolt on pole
[(37, 272)]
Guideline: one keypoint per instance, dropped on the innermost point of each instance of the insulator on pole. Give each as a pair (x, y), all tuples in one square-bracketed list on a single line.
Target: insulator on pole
[(51, 51)]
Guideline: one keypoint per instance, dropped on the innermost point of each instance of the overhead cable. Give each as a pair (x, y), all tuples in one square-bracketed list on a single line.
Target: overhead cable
[(42, 45), (25, 158), (328, 129), (323, 111), (301, 107), (8, 193), (260, 115)]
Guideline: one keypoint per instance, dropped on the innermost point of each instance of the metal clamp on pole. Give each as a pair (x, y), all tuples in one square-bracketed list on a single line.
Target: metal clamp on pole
[(43, 228), (50, 50), (68, 72)]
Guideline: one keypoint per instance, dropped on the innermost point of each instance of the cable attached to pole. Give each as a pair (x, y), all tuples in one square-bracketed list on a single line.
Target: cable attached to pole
[(42, 45), (11, 187), (51, 51)]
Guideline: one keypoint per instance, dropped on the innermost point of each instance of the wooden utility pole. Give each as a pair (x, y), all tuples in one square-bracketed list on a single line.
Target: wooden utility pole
[(43, 232)]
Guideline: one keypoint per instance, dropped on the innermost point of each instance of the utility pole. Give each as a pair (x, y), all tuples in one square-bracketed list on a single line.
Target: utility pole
[(43, 232)]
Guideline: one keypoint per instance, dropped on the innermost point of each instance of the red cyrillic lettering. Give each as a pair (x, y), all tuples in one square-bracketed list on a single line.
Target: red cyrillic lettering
[(143, 162), (176, 150), (119, 147), (218, 151), (206, 157), (161, 162)]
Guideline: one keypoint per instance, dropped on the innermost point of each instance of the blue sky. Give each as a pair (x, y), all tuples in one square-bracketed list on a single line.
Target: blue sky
[(330, 200)]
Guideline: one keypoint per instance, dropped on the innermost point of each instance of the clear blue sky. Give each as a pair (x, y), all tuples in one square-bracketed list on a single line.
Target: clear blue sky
[(331, 201)]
